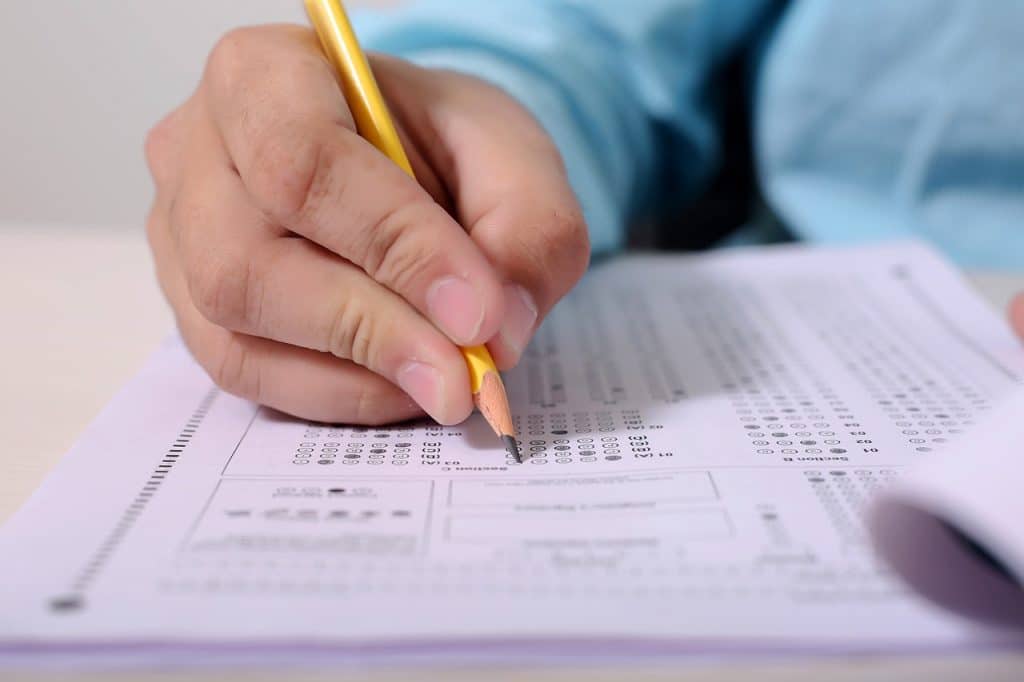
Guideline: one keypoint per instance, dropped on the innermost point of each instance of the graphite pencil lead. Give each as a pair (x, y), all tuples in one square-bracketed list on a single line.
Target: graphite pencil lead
[(512, 447)]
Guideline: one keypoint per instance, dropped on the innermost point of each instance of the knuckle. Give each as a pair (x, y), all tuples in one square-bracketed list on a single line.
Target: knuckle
[(221, 290), (556, 252), (395, 251), (373, 406), (236, 370), (353, 334), (292, 175), (155, 150), (230, 54), (157, 147), (567, 241)]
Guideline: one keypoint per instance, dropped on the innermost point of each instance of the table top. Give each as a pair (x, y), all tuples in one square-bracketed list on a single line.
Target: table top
[(83, 311)]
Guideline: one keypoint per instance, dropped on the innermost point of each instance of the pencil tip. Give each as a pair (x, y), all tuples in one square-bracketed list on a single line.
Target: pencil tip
[(513, 449)]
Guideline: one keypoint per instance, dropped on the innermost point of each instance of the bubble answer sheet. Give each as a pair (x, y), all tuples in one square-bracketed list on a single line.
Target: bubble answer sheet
[(702, 434)]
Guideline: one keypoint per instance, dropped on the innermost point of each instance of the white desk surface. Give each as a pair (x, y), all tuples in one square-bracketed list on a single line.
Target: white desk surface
[(81, 312)]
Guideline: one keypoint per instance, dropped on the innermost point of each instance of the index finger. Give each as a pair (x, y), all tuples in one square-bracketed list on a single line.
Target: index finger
[(291, 138)]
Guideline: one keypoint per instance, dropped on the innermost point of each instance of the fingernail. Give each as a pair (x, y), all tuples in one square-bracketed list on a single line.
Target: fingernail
[(520, 316), (456, 306), (423, 383)]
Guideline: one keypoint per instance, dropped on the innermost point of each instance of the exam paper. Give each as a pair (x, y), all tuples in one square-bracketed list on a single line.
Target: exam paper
[(953, 526), (703, 433)]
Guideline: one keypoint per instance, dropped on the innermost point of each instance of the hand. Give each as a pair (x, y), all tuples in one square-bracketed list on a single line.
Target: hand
[(309, 273), (1016, 314)]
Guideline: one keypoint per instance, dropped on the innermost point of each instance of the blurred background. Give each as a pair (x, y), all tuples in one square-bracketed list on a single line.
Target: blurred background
[(82, 82)]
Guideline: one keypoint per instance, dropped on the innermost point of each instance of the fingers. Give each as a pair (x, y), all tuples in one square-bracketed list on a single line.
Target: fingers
[(295, 380), (364, 311), (542, 249), (510, 191), (245, 275), (163, 147), (284, 122), (1016, 314)]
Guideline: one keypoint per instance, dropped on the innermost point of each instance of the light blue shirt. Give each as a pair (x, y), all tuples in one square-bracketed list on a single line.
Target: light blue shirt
[(871, 118)]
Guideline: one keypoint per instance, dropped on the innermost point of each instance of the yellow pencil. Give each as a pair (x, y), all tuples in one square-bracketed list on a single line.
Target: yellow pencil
[(374, 123)]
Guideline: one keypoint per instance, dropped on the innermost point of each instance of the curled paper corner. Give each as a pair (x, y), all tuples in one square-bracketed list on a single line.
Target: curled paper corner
[(944, 564)]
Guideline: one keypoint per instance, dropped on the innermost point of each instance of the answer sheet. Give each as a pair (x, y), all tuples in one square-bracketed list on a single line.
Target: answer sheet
[(702, 435)]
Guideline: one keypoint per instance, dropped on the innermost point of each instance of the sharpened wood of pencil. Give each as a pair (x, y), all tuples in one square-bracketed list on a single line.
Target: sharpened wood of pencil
[(489, 396), (374, 123)]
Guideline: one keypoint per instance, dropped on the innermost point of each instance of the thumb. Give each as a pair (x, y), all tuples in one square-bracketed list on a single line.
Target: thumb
[(537, 240), (506, 185), (511, 192)]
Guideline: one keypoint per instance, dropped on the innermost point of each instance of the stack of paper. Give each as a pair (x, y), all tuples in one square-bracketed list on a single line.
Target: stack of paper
[(705, 438)]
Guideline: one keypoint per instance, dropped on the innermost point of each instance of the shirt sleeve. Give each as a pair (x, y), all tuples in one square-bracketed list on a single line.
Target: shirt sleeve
[(879, 120), (624, 87)]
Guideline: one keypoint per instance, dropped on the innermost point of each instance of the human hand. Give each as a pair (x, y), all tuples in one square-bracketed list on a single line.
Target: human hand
[(1016, 314), (309, 273)]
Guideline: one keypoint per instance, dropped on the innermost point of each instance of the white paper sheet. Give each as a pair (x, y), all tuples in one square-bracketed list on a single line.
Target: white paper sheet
[(954, 526), (704, 434)]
